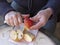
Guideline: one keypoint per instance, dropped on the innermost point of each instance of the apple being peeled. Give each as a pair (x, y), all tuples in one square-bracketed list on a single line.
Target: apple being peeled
[(16, 35), (28, 22)]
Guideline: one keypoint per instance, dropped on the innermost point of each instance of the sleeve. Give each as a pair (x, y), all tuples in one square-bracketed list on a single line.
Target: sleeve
[(54, 5), (4, 7)]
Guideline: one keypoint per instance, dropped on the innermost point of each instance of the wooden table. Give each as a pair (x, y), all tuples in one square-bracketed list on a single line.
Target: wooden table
[(41, 38)]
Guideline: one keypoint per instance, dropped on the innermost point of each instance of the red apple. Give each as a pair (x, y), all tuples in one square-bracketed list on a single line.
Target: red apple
[(28, 22)]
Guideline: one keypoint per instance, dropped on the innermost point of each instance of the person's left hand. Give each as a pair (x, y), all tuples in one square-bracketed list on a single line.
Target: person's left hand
[(41, 18)]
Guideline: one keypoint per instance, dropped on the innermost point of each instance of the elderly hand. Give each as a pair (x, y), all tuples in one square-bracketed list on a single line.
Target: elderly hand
[(13, 18), (41, 18)]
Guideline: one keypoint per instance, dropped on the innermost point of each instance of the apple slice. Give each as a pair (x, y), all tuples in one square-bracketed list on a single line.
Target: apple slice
[(20, 34), (28, 36), (13, 35), (16, 35)]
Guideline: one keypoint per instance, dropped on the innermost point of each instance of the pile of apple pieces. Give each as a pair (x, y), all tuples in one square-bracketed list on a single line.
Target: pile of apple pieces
[(18, 36)]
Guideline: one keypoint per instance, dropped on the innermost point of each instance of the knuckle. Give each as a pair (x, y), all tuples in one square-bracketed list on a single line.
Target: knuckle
[(13, 15)]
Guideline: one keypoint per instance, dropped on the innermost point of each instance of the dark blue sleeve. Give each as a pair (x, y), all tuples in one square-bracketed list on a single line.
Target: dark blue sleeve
[(4, 7), (54, 5)]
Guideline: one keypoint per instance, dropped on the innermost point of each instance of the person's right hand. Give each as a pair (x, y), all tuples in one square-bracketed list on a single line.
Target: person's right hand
[(13, 18)]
